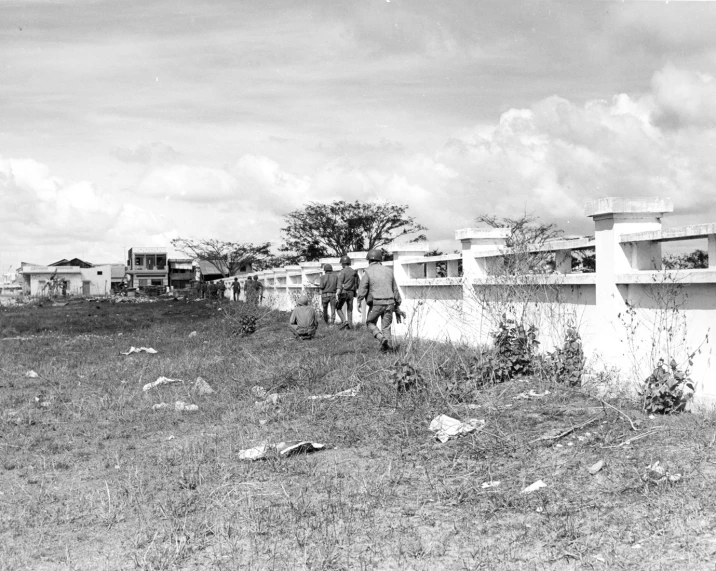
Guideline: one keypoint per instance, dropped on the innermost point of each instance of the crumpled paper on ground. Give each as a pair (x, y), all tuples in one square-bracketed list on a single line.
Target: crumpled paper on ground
[(31, 375), (280, 449), (538, 485), (139, 350), (446, 427), (352, 392), (202, 387), (160, 381), (531, 394), (179, 406)]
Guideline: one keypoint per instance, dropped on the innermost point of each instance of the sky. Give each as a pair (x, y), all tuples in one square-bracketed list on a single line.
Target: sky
[(131, 123)]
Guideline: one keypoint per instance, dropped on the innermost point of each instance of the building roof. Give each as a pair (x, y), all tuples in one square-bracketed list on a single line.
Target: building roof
[(75, 262)]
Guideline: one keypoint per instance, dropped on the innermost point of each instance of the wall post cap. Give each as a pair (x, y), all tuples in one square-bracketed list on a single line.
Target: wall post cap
[(408, 247), (618, 205), (482, 233)]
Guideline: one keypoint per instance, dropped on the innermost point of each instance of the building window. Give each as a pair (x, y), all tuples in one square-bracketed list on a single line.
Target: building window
[(138, 261), (157, 282), (99, 272), (161, 262), (150, 262)]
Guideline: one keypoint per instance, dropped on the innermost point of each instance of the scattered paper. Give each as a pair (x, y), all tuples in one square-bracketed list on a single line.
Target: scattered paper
[(596, 467), (202, 387), (31, 375), (281, 449), (139, 350), (160, 381), (539, 484), (258, 391), (530, 394), (347, 393), (657, 474), (446, 427), (490, 484), (193, 333), (179, 406)]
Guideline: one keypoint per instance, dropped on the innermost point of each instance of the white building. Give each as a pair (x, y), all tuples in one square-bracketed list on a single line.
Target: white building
[(71, 280)]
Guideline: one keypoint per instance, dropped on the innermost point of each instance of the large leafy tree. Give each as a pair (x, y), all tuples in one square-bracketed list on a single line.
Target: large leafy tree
[(228, 257), (320, 230)]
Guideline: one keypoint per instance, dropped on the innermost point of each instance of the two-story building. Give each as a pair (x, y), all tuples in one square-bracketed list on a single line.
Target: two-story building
[(147, 266)]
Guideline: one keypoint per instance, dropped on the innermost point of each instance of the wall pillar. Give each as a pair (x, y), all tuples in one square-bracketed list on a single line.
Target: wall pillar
[(614, 217)]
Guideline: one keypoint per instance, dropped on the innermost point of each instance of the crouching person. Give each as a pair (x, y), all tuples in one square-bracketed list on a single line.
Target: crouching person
[(303, 321)]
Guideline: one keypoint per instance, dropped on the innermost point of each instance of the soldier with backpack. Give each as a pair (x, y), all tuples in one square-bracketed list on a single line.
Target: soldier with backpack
[(347, 286), (378, 285)]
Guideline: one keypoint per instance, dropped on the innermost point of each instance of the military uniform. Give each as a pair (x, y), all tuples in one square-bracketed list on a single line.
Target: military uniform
[(236, 289), (347, 286), (303, 321), (378, 285), (328, 286)]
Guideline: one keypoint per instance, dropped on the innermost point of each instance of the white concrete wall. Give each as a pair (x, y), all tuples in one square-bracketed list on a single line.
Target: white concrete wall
[(99, 278), (629, 313)]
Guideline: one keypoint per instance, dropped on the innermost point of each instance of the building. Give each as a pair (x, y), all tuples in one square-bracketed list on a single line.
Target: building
[(41, 280), (147, 267), (181, 273)]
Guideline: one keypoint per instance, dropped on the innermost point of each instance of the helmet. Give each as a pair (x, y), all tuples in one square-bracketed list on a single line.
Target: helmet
[(302, 300), (346, 260), (328, 268), (374, 256)]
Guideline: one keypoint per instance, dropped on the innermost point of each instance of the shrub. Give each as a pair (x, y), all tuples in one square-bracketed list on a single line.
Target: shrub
[(566, 364), (515, 349), (668, 389), (405, 376)]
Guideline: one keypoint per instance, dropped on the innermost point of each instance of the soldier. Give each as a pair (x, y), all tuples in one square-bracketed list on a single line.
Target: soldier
[(222, 290), (303, 321), (378, 285), (258, 290), (212, 290), (328, 286), (236, 289), (203, 288), (347, 286)]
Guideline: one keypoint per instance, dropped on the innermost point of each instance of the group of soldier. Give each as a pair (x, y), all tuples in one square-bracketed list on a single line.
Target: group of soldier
[(253, 289), (377, 289)]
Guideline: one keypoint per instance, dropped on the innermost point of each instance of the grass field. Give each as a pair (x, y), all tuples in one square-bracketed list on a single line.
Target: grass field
[(92, 478)]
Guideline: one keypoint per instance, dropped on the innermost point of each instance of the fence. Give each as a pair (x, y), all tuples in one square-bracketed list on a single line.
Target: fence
[(629, 311)]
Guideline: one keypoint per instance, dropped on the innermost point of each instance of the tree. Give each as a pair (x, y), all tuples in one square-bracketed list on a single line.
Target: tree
[(228, 257), (334, 229), (698, 259), (526, 232)]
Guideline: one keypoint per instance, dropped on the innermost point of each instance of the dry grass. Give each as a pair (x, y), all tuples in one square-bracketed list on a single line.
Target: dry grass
[(92, 478)]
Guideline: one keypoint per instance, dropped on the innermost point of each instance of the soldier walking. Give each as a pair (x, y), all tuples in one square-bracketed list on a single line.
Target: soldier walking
[(236, 289), (379, 288), (347, 286), (328, 286)]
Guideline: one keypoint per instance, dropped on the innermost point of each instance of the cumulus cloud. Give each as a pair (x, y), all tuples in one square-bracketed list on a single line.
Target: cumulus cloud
[(156, 152), (548, 159)]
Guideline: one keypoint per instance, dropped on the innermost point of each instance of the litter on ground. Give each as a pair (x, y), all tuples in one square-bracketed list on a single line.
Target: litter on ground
[(531, 394), (179, 406), (539, 484), (446, 427), (347, 393), (280, 450), (490, 484), (139, 350), (202, 387), (657, 474), (160, 381), (596, 467), (193, 334), (31, 375)]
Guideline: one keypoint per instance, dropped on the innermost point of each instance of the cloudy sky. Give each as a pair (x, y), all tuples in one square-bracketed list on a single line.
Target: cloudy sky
[(127, 123)]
